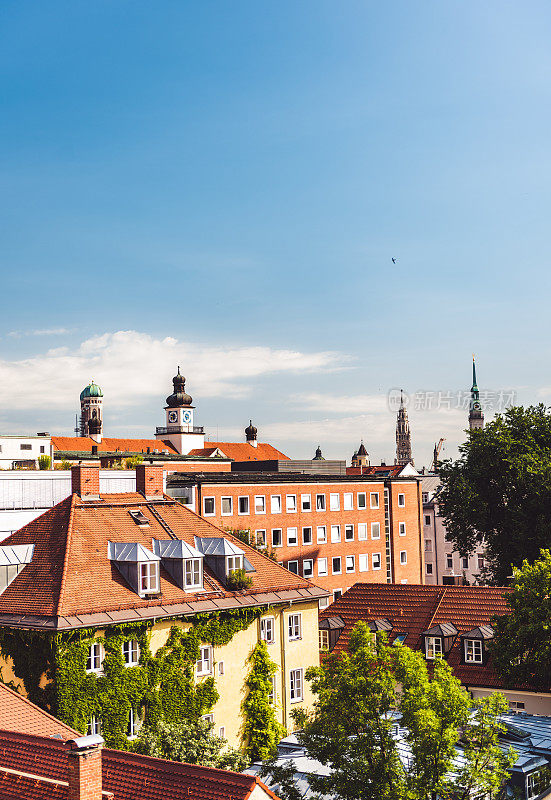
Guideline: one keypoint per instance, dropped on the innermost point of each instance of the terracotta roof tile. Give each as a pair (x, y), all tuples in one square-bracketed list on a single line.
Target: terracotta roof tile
[(84, 444), (413, 609), (242, 451), (71, 575), (17, 713)]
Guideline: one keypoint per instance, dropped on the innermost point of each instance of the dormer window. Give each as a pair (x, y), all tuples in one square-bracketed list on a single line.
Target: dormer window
[(473, 651), (233, 563), (13, 559), (149, 577), (433, 647), (330, 630), (439, 640), (193, 573), (222, 556), (182, 561), (138, 566), (474, 648)]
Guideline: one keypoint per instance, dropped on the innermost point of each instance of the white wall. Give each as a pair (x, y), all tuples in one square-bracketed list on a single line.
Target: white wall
[(10, 449), (534, 703)]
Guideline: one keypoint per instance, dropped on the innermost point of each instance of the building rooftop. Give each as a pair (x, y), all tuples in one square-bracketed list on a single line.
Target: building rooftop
[(84, 444), (187, 478), (240, 451)]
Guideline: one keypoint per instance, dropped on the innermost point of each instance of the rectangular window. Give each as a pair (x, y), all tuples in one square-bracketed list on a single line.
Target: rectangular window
[(348, 501), (323, 603), (449, 561), (131, 652), (364, 562), (335, 533), (275, 504), (220, 668), (277, 537), (349, 533), (292, 536), (25, 447), (428, 546), (295, 626), (322, 567), (227, 506), (221, 733), (306, 502), (324, 641), (473, 651), (95, 658), (465, 563), (403, 557), (291, 503), (295, 685), (260, 504), (401, 500), (402, 528), (425, 497), (94, 726), (133, 724), (428, 569), (209, 508), (149, 576), (320, 502), (375, 530), (374, 500), (322, 534), (334, 502), (272, 694), (307, 536), (362, 500), (208, 718), (261, 539), (516, 705), (267, 629), (480, 562), (243, 505), (350, 564), (336, 565), (427, 519), (376, 561), (204, 662), (233, 563), (362, 531), (42, 448), (193, 575), (433, 646), (336, 594), (308, 567), (292, 566)]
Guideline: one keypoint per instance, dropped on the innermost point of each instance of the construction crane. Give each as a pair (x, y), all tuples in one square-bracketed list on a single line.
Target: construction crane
[(437, 448)]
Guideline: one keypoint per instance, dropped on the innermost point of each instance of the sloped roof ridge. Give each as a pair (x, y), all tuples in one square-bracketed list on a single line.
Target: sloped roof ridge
[(68, 537), (14, 696)]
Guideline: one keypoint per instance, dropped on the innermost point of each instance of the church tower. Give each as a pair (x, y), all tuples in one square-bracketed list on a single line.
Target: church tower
[(403, 435), (361, 456), (180, 430), (91, 413), (476, 417)]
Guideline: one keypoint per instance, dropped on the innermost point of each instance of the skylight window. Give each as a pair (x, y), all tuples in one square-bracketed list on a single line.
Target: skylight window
[(138, 517)]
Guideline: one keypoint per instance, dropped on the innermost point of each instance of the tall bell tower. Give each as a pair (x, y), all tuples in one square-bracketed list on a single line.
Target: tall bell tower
[(476, 417), (180, 430), (91, 412), (403, 435)]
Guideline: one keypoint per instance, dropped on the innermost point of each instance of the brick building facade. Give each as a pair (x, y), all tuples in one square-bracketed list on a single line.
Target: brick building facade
[(334, 530)]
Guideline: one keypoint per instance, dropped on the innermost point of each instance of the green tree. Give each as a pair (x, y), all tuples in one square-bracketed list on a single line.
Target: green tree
[(190, 741), (261, 730), (132, 462), (44, 461), (521, 649), (358, 697), (498, 493)]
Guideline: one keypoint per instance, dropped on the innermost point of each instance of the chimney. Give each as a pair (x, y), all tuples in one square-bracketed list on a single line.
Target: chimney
[(84, 775), (85, 482), (149, 481)]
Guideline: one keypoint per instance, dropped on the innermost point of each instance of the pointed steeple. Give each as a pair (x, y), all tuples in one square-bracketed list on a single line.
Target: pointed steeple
[(476, 417), (403, 435)]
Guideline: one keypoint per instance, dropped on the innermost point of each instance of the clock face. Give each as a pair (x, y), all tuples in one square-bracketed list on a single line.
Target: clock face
[(186, 416), (173, 416), (477, 406)]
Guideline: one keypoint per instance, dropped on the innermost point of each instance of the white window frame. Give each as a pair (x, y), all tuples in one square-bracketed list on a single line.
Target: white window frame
[(374, 558), (449, 561), (260, 507), (348, 501), (401, 500), (334, 501), (248, 505), (95, 659), (324, 641), (261, 540), (434, 646), (296, 688), (131, 652), (349, 528), (363, 562), (134, 724), (308, 528), (267, 629), (333, 570), (337, 593), (474, 651), (291, 503), (222, 732), (280, 531), (233, 563), (403, 557), (362, 501), (322, 567), (294, 627), (310, 569), (221, 668), (290, 536), (402, 528), (203, 665), (149, 577), (335, 534), (321, 534), (306, 500), (374, 500), (295, 562), (350, 560), (362, 531), (428, 545), (275, 504), (226, 513), (94, 726), (375, 530), (209, 513), (321, 503), (323, 603), (195, 572)]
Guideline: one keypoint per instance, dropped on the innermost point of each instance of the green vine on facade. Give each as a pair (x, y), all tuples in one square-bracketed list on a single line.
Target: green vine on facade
[(261, 730)]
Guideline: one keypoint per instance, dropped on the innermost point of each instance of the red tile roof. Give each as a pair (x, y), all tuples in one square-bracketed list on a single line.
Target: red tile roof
[(414, 609), (386, 471), (19, 714), (70, 573), (84, 444), (127, 775), (242, 451)]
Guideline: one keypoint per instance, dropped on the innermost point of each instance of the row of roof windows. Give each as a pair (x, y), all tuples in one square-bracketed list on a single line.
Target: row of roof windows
[(291, 503)]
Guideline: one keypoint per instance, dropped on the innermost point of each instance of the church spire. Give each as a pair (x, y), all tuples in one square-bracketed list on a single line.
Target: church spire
[(476, 417), (403, 435)]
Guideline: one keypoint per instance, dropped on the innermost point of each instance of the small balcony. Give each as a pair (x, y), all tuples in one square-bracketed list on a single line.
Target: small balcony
[(179, 429)]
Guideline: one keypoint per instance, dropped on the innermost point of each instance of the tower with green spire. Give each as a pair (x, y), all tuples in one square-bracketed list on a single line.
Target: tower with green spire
[(476, 417)]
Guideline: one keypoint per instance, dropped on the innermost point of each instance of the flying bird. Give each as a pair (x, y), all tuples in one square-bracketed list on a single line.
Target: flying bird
[(393, 260)]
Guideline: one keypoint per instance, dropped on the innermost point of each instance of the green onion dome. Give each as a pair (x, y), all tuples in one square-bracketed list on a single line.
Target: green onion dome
[(92, 390)]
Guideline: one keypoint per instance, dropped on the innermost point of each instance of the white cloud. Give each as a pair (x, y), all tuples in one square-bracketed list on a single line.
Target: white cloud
[(132, 367), (41, 332), (347, 404)]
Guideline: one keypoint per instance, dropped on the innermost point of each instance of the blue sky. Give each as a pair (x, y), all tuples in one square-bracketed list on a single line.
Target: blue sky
[(239, 175)]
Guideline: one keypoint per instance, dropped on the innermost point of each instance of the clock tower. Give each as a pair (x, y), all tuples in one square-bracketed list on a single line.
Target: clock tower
[(180, 430), (476, 417)]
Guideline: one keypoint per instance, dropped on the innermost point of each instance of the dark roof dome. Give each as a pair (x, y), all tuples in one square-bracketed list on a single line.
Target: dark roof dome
[(318, 456), (92, 390), (179, 396), (251, 431)]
